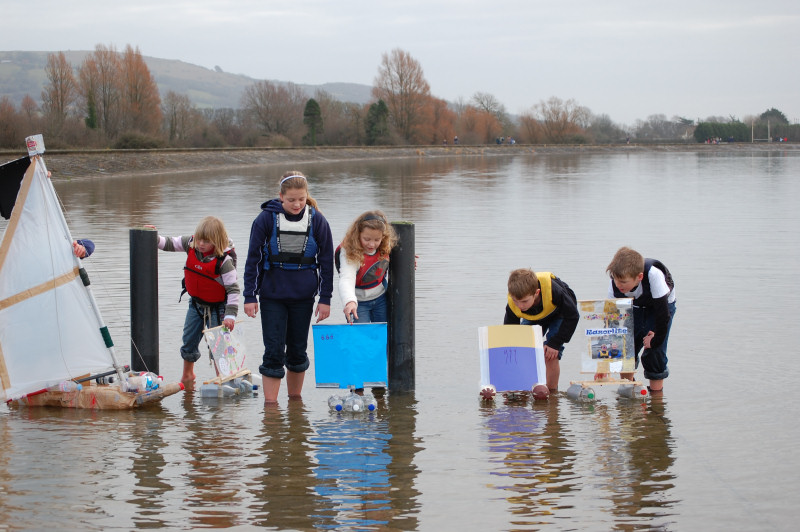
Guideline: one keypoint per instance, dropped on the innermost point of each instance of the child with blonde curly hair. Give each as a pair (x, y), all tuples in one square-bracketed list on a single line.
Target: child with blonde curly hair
[(362, 260)]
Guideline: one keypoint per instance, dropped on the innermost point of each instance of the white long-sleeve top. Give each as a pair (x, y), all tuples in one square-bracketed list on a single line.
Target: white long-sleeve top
[(347, 282)]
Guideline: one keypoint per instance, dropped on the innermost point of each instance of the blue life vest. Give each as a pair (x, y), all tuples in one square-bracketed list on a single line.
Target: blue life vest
[(292, 245)]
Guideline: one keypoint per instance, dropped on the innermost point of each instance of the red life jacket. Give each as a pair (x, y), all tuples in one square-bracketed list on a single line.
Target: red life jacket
[(200, 278), (371, 273)]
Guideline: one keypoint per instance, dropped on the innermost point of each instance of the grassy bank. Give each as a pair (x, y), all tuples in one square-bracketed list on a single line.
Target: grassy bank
[(92, 163)]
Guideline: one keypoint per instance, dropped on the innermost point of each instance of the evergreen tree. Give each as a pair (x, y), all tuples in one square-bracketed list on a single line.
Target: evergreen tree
[(377, 123), (774, 116), (91, 112), (312, 118)]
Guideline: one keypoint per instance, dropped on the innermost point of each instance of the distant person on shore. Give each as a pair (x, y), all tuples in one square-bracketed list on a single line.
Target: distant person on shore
[(544, 299), (650, 284), (209, 277), (455, 139), (362, 261), (289, 263)]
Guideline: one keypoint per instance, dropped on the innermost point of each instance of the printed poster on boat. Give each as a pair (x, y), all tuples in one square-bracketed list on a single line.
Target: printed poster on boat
[(605, 332)]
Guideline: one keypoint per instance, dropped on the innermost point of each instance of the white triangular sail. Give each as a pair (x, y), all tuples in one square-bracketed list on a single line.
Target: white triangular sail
[(50, 330)]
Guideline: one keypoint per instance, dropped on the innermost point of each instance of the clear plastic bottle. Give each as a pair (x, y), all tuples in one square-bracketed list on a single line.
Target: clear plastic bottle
[(65, 386), (243, 385), (353, 403), (143, 382), (152, 380), (370, 404), (579, 393), (632, 391), (335, 403), (217, 390)]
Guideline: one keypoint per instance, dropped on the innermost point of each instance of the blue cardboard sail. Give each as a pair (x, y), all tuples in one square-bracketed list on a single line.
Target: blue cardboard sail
[(350, 355), (607, 329), (512, 357)]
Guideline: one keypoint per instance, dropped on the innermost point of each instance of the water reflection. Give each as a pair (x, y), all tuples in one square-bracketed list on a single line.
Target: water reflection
[(623, 469), (721, 220), (352, 471), (527, 443), (148, 464), (283, 490), (647, 494), (217, 443)]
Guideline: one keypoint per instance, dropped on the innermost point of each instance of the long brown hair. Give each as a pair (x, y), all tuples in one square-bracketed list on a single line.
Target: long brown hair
[(369, 220)]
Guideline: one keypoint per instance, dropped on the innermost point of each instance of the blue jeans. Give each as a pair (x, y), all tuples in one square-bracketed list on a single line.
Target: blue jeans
[(654, 361), (372, 311), (284, 329), (198, 317), (548, 329)]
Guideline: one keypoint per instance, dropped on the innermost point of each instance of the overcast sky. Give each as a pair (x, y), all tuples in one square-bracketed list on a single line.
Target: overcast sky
[(626, 59)]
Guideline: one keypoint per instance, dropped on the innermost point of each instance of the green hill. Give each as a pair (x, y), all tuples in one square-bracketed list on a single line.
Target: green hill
[(23, 73)]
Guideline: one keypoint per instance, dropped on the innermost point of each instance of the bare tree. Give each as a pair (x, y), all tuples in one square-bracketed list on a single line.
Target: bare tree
[(141, 109), (604, 131), (659, 128), (226, 122), (11, 134), (401, 84), (59, 92), (476, 126), (276, 109), (177, 112), (561, 120), (30, 111), (101, 88), (531, 129)]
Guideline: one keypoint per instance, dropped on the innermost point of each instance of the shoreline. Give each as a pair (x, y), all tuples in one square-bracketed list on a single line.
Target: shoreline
[(108, 163)]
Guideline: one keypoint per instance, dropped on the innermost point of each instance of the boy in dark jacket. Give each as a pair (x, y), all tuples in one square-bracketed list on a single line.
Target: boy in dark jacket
[(650, 285), (543, 299)]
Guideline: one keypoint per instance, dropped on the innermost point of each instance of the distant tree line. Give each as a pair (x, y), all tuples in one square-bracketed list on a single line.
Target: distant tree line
[(111, 100), (771, 126)]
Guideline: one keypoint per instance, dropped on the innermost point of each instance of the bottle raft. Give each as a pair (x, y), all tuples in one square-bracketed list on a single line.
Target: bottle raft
[(353, 402), (239, 384), (583, 391)]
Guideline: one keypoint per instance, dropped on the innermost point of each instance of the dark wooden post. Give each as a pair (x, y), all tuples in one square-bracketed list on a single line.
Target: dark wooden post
[(401, 310), (144, 299)]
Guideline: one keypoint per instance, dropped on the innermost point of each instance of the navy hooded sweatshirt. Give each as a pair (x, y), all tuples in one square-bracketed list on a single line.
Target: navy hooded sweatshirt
[(276, 283)]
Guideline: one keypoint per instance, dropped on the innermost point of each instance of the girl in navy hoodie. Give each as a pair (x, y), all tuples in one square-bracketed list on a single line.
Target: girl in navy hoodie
[(289, 263)]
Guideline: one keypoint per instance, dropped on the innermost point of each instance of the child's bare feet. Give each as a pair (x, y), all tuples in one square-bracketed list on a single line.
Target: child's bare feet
[(188, 376)]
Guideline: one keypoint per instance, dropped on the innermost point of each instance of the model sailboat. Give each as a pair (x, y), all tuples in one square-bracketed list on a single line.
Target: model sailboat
[(52, 337)]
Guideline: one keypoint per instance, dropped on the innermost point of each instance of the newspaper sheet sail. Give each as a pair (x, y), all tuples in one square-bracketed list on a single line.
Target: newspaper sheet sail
[(511, 357), (51, 332)]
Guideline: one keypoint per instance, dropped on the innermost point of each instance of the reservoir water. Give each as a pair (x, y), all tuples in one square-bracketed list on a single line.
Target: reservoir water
[(716, 452)]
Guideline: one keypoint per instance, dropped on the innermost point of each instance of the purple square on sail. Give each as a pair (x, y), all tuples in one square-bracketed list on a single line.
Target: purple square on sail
[(512, 368)]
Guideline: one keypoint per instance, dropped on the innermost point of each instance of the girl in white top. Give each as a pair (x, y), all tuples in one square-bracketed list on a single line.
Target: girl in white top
[(363, 262)]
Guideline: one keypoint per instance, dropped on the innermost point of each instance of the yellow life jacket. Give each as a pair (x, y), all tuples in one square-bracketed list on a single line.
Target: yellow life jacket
[(546, 296)]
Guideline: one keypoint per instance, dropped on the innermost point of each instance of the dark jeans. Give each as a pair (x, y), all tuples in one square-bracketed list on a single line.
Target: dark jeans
[(654, 361), (372, 311), (284, 327)]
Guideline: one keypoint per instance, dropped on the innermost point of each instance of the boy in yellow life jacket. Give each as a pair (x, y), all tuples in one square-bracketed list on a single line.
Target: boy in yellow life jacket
[(543, 299)]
